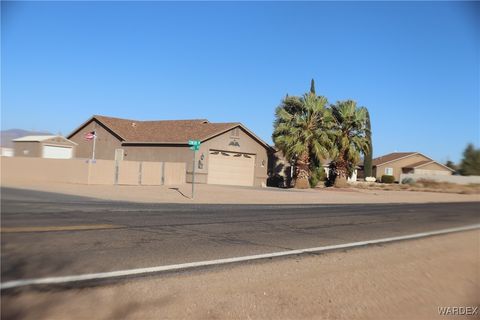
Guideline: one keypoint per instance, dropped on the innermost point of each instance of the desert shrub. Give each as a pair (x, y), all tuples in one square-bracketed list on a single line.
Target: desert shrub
[(388, 179), (408, 181), (432, 183)]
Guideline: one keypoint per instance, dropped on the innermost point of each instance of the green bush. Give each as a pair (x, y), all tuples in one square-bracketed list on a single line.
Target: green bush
[(317, 175), (388, 179)]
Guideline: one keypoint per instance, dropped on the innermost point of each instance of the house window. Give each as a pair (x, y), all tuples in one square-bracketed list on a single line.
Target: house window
[(389, 171)]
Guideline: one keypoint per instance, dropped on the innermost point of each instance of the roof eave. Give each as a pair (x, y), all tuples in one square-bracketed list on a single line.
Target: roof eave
[(90, 120), (154, 142), (266, 145), (382, 163), (433, 161)]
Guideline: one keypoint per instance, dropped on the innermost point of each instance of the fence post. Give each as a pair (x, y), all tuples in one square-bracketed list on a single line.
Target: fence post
[(162, 180), (140, 168), (116, 172), (88, 170)]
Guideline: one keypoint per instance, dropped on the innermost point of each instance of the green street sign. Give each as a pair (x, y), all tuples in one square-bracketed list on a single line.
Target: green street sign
[(194, 144)]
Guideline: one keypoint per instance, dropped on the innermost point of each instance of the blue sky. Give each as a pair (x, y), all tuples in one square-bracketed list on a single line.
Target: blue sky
[(414, 65)]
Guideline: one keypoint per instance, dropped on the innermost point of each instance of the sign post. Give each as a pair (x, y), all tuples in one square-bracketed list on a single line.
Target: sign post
[(94, 140), (195, 146), (92, 135)]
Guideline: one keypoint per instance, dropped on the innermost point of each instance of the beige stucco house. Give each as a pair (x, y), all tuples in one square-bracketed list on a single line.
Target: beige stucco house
[(46, 146), (407, 162), (229, 154)]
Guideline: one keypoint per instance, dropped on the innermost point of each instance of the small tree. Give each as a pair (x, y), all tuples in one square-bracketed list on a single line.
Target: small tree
[(470, 165)]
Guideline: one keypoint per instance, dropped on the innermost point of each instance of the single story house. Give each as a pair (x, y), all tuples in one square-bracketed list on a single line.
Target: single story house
[(397, 163), (229, 153), (48, 146)]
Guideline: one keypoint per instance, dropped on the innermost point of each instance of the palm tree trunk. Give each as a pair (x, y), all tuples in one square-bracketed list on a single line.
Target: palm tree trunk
[(303, 172), (341, 171)]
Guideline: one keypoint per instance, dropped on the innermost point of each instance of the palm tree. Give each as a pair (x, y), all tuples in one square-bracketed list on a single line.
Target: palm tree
[(351, 138), (301, 131)]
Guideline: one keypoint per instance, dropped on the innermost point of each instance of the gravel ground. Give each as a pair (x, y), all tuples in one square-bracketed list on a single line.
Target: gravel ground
[(241, 195), (404, 280)]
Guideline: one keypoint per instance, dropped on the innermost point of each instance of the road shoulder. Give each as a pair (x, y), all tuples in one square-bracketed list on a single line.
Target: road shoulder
[(409, 279)]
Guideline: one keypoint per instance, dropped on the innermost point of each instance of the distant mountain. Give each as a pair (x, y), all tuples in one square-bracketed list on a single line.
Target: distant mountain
[(6, 136)]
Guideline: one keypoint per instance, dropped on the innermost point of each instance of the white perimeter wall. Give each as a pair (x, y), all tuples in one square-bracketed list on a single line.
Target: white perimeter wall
[(441, 178)]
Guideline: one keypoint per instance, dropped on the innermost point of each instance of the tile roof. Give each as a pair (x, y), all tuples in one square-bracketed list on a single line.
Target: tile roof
[(165, 131), (391, 157)]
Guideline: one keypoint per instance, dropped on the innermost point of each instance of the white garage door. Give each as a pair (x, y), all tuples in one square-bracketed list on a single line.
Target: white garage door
[(231, 168), (56, 152)]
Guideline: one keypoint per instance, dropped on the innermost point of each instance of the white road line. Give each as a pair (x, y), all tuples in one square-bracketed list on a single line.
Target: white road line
[(183, 266)]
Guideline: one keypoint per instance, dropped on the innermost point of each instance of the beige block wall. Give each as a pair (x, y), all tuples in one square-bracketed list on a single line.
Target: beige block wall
[(128, 172), (22, 169), (17, 169), (101, 172), (174, 173), (152, 173)]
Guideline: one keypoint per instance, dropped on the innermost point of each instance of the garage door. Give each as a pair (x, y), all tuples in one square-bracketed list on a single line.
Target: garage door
[(56, 152), (231, 168)]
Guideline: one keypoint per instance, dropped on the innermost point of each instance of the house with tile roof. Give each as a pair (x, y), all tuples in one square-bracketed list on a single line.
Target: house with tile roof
[(229, 153), (407, 162)]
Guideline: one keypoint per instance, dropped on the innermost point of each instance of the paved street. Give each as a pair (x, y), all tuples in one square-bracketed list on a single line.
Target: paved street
[(46, 234)]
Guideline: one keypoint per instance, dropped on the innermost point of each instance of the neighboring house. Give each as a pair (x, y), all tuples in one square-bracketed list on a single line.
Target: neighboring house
[(6, 152), (326, 168), (407, 162), (55, 147), (229, 153), (6, 136)]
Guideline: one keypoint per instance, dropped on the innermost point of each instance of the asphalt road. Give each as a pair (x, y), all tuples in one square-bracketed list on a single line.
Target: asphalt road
[(46, 234)]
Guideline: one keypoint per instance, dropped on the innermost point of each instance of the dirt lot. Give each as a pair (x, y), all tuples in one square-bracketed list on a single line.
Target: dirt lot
[(405, 280), (423, 185), (242, 195)]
